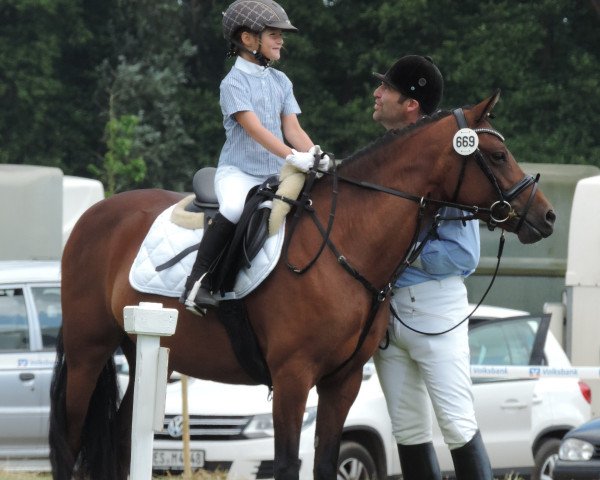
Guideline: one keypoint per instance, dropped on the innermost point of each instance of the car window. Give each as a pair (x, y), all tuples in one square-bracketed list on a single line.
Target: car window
[(512, 341), (14, 327), (47, 304), (502, 343)]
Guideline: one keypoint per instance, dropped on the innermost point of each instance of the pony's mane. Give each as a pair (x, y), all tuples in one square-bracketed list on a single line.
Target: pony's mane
[(394, 134)]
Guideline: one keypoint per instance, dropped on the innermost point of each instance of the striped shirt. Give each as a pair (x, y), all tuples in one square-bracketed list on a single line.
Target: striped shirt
[(269, 94)]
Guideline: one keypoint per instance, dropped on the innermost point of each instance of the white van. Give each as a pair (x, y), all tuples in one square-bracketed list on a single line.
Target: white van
[(521, 420)]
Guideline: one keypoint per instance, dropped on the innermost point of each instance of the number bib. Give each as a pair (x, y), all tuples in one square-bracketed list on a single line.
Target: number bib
[(465, 141)]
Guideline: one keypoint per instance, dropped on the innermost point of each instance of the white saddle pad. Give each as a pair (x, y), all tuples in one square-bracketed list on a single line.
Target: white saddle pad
[(166, 239)]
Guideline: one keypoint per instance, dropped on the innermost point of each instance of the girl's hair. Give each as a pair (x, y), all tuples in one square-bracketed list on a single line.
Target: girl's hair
[(234, 48)]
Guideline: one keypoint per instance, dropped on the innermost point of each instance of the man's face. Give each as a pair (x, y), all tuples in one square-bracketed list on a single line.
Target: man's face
[(390, 107)]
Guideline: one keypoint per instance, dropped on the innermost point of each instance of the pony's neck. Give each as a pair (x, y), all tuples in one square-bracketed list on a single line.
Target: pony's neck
[(379, 225), (400, 160)]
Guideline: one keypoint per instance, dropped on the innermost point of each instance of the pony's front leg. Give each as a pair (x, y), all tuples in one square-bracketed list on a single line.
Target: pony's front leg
[(290, 392), (335, 399)]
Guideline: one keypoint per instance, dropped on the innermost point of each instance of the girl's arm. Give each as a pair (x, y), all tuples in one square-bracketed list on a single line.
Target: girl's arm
[(293, 133), (253, 127)]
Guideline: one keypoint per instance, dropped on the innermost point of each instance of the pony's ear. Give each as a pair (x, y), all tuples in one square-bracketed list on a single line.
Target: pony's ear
[(489, 105)]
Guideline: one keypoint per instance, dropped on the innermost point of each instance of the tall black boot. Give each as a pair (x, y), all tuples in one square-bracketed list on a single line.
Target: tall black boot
[(197, 296), (471, 461), (419, 462)]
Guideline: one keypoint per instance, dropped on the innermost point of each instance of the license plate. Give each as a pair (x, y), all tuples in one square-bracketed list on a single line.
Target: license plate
[(174, 458)]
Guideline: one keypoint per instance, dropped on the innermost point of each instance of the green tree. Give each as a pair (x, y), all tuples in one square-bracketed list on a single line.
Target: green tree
[(61, 60), (46, 81), (146, 77), (121, 164)]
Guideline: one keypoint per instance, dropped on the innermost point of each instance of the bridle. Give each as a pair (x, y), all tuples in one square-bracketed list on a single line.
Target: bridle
[(501, 210)]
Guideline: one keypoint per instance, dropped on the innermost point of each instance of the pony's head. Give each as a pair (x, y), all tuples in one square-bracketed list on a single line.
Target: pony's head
[(486, 170)]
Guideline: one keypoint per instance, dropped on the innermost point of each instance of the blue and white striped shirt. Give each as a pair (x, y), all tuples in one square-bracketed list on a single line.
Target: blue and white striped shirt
[(269, 94), (455, 252)]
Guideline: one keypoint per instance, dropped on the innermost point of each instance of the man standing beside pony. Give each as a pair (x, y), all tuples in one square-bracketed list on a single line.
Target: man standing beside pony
[(418, 363)]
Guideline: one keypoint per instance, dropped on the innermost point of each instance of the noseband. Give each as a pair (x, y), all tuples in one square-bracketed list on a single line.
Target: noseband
[(501, 210)]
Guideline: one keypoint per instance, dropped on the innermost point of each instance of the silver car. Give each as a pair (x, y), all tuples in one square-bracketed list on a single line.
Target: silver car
[(30, 317)]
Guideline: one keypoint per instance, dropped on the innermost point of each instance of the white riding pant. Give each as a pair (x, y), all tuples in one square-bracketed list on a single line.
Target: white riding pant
[(232, 186), (415, 366)]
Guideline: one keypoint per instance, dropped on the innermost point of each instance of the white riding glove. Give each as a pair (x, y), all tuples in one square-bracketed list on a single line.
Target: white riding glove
[(325, 160), (301, 160)]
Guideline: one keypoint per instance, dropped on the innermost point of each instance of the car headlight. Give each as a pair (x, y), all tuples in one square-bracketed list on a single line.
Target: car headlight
[(574, 450), (261, 426)]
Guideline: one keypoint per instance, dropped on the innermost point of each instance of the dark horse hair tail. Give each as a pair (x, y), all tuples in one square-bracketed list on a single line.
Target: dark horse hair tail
[(97, 458)]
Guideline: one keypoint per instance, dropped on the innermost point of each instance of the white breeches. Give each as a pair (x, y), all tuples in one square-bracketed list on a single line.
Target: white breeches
[(416, 367), (232, 186)]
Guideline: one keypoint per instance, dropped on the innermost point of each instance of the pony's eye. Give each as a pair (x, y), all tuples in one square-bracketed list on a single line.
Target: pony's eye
[(498, 157)]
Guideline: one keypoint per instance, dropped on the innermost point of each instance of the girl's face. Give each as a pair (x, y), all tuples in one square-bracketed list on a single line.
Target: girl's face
[(271, 40)]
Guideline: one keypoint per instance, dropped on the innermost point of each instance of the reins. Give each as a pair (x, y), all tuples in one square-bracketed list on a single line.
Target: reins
[(489, 287)]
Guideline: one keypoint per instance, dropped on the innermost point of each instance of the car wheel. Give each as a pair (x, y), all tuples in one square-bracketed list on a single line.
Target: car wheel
[(355, 463), (545, 459)]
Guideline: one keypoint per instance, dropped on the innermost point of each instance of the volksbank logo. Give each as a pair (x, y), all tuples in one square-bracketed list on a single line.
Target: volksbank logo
[(480, 370), (552, 372)]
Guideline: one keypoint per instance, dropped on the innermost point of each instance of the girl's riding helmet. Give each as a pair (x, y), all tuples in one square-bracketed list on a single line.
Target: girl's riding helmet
[(255, 15)]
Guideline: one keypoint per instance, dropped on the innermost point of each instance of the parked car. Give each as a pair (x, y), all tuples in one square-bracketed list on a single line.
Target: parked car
[(522, 421), (30, 318), (237, 435), (579, 453)]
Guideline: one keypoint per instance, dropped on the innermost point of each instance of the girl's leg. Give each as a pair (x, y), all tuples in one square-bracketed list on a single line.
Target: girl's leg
[(231, 186)]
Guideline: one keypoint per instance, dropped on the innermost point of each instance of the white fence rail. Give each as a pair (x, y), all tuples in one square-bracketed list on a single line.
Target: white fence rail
[(529, 371)]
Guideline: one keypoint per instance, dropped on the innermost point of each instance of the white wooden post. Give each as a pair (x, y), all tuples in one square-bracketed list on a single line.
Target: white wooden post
[(149, 321)]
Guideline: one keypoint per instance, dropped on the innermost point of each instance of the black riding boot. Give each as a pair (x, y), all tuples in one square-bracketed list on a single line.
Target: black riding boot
[(197, 296), (471, 461), (419, 462)]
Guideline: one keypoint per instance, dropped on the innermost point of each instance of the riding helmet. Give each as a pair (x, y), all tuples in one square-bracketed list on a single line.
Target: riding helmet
[(417, 77), (255, 15)]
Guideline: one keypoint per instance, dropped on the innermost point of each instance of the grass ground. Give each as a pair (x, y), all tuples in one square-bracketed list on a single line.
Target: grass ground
[(200, 475)]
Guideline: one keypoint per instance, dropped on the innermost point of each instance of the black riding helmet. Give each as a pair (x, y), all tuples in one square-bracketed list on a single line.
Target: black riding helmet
[(255, 15), (416, 77)]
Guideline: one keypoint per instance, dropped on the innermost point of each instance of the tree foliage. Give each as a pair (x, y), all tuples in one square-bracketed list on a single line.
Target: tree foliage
[(122, 165), (161, 62)]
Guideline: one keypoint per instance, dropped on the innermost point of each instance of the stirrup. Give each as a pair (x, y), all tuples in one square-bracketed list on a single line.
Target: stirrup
[(201, 312), (190, 295), (187, 289), (199, 299)]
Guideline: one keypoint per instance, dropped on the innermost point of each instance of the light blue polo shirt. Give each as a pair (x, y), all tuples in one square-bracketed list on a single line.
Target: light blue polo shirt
[(455, 252), (269, 94)]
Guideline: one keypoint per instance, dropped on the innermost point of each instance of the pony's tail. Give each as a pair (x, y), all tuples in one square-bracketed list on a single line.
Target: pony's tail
[(61, 457), (98, 457)]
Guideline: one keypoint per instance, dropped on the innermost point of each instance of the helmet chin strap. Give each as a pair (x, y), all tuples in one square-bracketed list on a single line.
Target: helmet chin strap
[(262, 60)]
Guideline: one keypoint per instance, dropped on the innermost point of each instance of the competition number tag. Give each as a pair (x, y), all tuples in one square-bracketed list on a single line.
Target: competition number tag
[(465, 141)]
